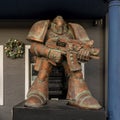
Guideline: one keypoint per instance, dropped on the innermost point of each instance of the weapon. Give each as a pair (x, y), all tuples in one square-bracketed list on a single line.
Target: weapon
[(75, 51)]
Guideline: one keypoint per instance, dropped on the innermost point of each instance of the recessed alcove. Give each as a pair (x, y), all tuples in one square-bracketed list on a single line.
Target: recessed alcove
[(17, 17)]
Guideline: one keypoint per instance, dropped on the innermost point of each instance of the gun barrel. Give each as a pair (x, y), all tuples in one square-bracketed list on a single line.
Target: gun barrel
[(95, 57)]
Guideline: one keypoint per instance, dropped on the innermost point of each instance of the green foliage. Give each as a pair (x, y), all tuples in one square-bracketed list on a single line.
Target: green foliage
[(14, 48)]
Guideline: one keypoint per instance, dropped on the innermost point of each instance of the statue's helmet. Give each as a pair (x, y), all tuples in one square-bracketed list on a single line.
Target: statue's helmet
[(59, 21)]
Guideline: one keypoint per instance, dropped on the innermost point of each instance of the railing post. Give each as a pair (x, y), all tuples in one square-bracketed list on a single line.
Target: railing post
[(114, 60)]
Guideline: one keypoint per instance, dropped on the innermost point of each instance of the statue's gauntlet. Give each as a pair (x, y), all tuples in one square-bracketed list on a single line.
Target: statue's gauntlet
[(84, 55), (42, 50)]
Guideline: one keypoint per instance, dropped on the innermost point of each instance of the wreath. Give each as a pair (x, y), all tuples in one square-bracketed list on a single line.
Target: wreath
[(14, 48)]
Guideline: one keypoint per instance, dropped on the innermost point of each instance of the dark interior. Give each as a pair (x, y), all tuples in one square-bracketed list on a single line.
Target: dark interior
[(40, 9)]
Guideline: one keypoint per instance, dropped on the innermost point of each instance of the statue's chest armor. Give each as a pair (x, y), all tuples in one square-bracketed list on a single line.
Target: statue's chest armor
[(55, 36)]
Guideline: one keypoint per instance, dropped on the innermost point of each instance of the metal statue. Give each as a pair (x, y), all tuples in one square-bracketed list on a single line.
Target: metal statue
[(57, 42)]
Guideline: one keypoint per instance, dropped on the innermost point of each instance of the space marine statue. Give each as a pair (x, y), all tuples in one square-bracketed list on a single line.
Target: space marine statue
[(57, 42)]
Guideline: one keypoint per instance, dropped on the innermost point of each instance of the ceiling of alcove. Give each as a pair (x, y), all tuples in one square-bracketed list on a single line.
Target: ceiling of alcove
[(36, 9)]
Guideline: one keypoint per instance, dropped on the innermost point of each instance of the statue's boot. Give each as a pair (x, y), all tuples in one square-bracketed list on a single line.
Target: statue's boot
[(38, 93), (79, 94)]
